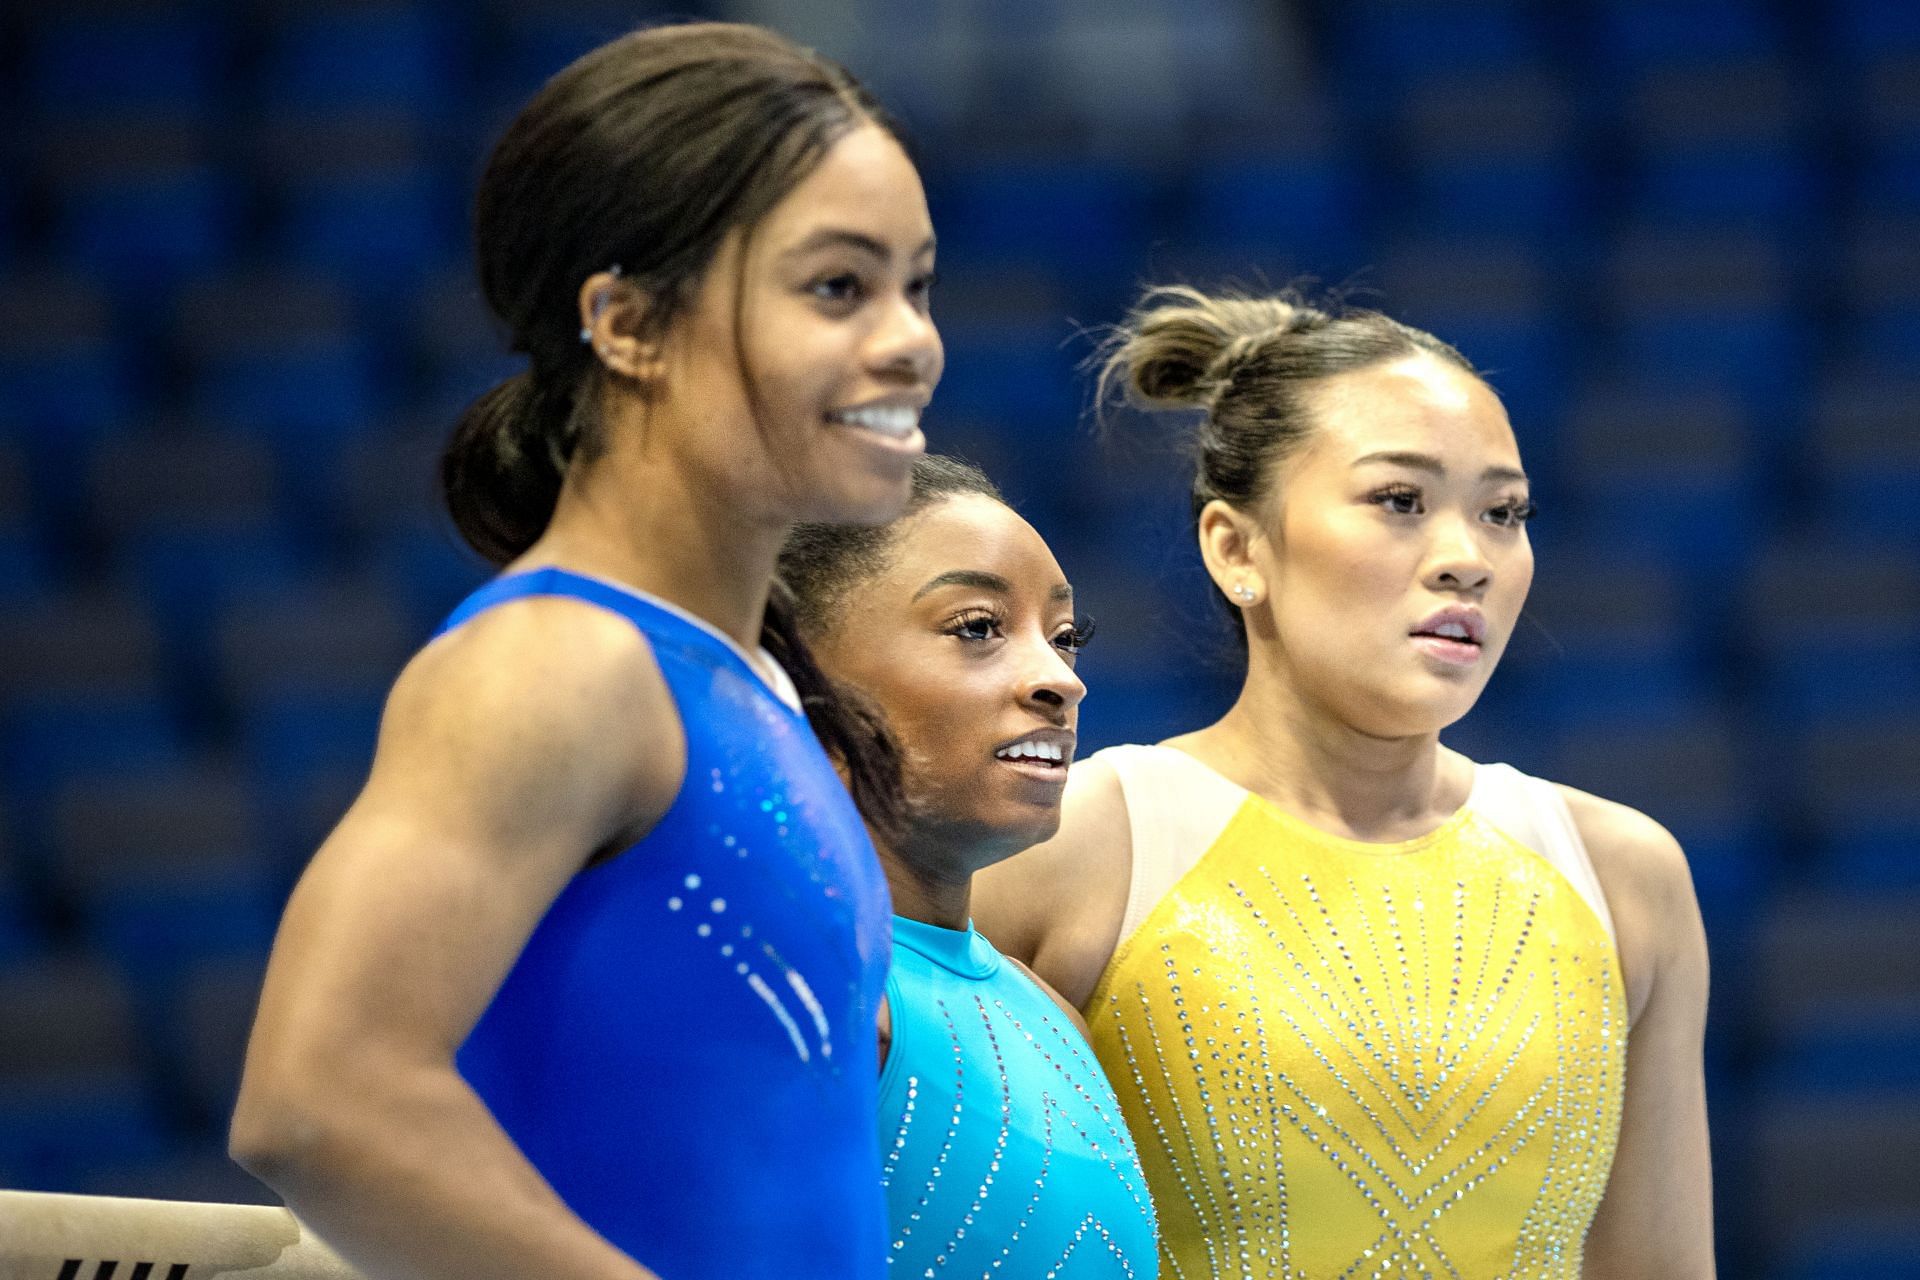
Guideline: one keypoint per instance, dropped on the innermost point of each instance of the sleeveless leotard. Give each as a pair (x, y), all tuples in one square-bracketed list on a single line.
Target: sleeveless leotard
[(1004, 1152), (685, 1049), (1349, 1059)]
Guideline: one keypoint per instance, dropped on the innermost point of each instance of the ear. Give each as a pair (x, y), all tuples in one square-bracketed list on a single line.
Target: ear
[(1228, 539), (613, 320)]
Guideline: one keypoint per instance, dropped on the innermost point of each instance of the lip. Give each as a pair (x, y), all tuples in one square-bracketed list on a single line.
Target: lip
[(1064, 739), (1472, 620)]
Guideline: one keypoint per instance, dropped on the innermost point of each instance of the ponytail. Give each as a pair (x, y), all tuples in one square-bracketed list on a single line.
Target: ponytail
[(502, 467)]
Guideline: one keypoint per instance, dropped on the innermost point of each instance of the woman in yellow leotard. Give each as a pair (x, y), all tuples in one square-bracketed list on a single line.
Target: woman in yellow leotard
[(1372, 1009)]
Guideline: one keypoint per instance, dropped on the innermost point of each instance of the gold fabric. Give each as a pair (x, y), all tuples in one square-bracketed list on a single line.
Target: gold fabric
[(1342, 1059)]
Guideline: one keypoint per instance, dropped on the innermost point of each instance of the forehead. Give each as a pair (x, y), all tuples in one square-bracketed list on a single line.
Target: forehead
[(1420, 404), (864, 183), (971, 531)]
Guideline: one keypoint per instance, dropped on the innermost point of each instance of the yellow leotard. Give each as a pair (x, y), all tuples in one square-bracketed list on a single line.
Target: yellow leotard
[(1342, 1059)]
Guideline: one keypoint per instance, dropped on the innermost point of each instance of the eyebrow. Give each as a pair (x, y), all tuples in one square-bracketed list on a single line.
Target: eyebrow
[(1428, 463), (828, 237), (982, 581)]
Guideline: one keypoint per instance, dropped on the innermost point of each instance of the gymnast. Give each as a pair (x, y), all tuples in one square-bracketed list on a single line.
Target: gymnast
[(1372, 1008), (585, 982), (1004, 1149)]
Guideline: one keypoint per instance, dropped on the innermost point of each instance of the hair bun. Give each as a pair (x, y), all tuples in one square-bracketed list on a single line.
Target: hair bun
[(1180, 346)]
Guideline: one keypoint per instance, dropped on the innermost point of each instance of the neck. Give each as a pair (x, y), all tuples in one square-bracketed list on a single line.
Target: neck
[(645, 522), (1281, 744), (942, 898)]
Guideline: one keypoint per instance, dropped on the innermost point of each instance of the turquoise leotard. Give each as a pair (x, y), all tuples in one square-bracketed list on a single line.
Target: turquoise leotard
[(1002, 1147)]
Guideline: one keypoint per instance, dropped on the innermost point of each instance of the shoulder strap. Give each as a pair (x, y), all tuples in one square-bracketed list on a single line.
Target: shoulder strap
[(1532, 811), (1177, 808)]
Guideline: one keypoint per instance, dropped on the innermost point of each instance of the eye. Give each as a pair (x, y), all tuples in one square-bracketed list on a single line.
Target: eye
[(920, 288), (1400, 499), (974, 627), (1072, 640), (843, 288), (1512, 514)]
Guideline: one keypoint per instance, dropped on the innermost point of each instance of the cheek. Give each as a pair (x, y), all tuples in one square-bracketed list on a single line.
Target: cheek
[(1339, 567)]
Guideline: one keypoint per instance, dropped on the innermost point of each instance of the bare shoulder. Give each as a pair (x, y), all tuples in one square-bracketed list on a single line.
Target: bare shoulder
[(1057, 906), (544, 695), (1638, 861), (1649, 889), (1072, 1014)]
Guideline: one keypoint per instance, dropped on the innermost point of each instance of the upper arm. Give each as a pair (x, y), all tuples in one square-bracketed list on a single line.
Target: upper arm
[(509, 753), (1656, 1218), (1057, 907)]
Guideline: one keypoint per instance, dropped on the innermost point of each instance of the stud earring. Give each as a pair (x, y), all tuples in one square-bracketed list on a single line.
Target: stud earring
[(1243, 593)]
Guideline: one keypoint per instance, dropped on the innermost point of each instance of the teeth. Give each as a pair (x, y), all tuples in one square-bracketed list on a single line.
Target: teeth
[(897, 421), (1452, 630), (1032, 751)]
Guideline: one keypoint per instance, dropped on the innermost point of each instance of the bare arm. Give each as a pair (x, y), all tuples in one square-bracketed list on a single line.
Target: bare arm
[(510, 752), (1655, 1221), (1056, 908)]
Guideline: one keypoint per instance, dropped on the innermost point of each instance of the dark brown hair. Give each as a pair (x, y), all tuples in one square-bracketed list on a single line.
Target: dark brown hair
[(1247, 361), (641, 156)]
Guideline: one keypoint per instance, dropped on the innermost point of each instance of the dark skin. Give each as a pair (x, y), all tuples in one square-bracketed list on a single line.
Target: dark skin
[(965, 639)]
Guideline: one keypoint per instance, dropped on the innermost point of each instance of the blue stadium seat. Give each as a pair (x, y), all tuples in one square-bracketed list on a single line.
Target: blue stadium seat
[(428, 570), (74, 1090), (1871, 1048), (308, 673), (1708, 308), (141, 205), (1866, 30), (20, 931), (1860, 1248), (166, 869), (343, 56), (1066, 214), (64, 379), (1724, 146), (1865, 442), (1633, 35), (1836, 627), (361, 200), (284, 356), (1886, 133), (1857, 777), (82, 691), (1494, 302), (1880, 280), (1608, 640), (1665, 474), (1020, 376), (204, 1036), (26, 570), (129, 57), (1494, 154), (1401, 40), (1292, 213)]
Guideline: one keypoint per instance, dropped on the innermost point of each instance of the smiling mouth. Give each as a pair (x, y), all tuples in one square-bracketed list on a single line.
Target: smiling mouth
[(1047, 755), (895, 422)]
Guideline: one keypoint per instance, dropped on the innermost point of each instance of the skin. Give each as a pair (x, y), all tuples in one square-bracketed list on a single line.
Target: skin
[(965, 640), (1400, 503), (541, 736)]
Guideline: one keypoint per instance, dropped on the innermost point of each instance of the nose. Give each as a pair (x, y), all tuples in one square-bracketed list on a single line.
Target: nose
[(1048, 680), (1457, 562), (906, 344)]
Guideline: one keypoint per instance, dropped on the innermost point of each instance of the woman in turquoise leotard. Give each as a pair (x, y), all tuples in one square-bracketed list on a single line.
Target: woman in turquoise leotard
[(1002, 1148)]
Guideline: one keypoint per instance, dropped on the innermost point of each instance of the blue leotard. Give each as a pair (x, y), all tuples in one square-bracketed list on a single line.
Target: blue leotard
[(685, 1049), (1003, 1149)]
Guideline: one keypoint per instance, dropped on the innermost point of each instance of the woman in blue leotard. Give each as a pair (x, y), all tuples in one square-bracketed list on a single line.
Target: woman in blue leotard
[(585, 982), (1004, 1153)]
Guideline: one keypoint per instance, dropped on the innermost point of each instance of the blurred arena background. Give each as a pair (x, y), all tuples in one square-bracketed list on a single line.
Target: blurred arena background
[(236, 315)]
